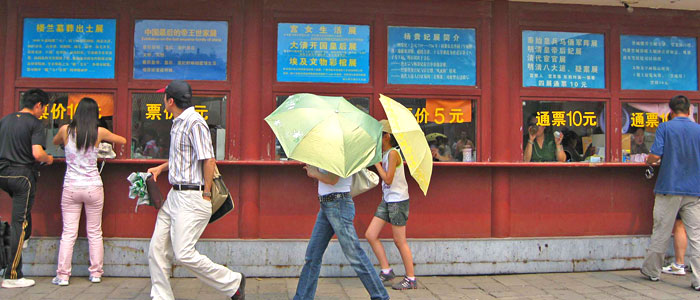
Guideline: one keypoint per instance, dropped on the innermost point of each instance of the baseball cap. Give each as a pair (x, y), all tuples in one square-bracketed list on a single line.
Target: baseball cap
[(178, 89), (385, 126)]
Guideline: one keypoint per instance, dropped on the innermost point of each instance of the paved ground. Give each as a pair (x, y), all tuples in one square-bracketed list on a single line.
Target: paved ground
[(570, 286)]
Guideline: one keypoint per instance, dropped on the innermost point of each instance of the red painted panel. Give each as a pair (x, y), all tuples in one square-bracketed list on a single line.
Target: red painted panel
[(580, 201), (457, 205), (118, 218)]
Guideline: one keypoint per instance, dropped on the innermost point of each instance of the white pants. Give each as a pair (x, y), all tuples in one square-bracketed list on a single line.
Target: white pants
[(180, 223)]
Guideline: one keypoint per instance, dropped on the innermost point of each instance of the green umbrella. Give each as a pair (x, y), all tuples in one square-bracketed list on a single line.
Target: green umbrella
[(327, 132)]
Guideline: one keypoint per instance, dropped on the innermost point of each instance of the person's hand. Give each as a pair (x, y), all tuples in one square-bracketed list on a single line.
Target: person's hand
[(50, 160), (559, 139), (378, 166), (311, 171), (434, 152), (155, 171), (532, 132), (208, 198)]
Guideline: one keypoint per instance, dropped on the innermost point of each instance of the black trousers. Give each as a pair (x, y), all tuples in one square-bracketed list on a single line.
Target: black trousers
[(20, 183)]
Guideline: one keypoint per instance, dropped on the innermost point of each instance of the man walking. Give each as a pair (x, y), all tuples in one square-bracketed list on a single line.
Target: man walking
[(677, 144), (22, 141), (187, 209)]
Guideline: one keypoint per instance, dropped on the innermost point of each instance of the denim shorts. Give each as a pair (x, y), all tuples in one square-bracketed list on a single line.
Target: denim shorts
[(395, 213)]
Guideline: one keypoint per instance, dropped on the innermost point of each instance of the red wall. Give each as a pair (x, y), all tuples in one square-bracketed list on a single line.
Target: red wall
[(497, 197)]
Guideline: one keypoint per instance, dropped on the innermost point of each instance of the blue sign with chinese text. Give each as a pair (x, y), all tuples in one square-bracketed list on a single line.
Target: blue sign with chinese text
[(563, 59), (68, 48), (322, 53), (436, 56), (658, 63), (185, 50)]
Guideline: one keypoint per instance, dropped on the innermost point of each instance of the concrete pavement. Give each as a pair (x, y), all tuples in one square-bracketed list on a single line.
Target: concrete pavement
[(571, 286)]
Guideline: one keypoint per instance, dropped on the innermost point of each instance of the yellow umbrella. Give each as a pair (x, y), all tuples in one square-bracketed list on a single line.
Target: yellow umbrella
[(412, 141)]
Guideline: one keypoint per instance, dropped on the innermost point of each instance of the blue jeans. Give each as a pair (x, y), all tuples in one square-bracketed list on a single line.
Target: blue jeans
[(337, 217)]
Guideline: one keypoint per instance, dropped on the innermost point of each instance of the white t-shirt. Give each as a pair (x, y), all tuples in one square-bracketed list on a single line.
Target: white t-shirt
[(342, 186)]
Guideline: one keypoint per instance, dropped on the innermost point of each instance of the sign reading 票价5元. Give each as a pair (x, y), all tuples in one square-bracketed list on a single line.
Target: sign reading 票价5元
[(68, 48), (658, 63), (186, 50), (322, 53), (440, 56), (563, 59)]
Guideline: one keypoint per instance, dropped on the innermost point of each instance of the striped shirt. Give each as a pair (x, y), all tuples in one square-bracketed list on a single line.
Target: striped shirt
[(190, 143)]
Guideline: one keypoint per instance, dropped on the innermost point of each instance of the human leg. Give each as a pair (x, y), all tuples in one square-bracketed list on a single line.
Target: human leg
[(21, 186), (665, 209), (160, 255), (341, 215), (190, 216), (372, 236), (71, 206), (680, 241), (320, 236), (690, 214), (93, 212)]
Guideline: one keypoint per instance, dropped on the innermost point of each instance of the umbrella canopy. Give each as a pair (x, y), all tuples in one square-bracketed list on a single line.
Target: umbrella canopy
[(412, 141), (327, 132)]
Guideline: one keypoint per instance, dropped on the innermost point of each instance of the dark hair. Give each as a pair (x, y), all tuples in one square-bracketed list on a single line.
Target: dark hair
[(34, 96), (392, 140), (84, 124), (679, 104), (181, 104)]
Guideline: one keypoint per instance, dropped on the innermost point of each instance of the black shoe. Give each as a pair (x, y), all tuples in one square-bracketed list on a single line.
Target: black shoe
[(240, 293)]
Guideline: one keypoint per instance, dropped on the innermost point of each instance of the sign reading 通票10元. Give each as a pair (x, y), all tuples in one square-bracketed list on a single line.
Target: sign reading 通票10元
[(563, 59), (330, 53), (68, 48), (431, 56), (658, 63)]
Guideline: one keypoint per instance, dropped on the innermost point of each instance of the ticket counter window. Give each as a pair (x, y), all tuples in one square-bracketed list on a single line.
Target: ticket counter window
[(563, 131), (361, 103), (639, 124), (449, 126), (150, 124), (60, 111)]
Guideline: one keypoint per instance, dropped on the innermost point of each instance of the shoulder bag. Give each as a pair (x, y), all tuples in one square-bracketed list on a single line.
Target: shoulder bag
[(363, 181)]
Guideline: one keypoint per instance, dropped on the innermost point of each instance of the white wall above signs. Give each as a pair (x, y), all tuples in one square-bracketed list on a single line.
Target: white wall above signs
[(658, 4)]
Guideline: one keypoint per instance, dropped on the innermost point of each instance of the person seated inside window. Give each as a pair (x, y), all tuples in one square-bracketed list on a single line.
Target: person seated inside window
[(638, 146), (570, 143), (460, 144), (438, 146), (540, 144)]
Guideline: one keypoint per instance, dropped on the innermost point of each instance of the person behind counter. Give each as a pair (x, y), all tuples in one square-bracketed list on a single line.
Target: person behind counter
[(540, 144), (439, 147), (570, 142), (638, 145)]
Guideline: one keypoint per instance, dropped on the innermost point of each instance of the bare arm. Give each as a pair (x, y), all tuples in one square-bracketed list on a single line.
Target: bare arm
[(41, 155), (105, 135), (59, 138), (208, 166), (388, 175), (327, 178), (653, 159), (157, 170), (561, 156)]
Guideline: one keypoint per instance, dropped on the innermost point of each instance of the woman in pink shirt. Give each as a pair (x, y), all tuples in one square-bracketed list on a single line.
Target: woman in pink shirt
[(82, 185)]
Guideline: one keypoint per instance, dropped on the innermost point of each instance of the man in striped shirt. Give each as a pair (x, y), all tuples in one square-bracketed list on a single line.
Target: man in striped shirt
[(186, 211)]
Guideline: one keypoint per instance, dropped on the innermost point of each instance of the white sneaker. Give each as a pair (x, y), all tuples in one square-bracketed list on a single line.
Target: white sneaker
[(17, 283), (95, 279), (674, 269), (59, 281)]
